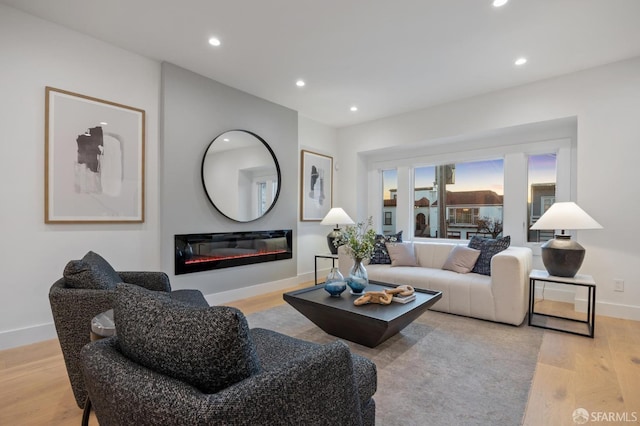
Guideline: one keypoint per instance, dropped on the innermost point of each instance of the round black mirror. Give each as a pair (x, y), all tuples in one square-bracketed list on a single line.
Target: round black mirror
[(241, 175)]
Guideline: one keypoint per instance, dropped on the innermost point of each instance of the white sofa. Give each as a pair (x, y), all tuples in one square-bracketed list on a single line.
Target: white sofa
[(501, 297)]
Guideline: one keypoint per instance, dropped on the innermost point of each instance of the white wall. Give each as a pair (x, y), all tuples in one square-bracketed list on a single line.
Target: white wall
[(605, 100), (312, 237), (35, 54)]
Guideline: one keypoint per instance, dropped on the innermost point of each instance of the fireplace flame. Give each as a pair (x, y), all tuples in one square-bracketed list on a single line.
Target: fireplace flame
[(203, 259)]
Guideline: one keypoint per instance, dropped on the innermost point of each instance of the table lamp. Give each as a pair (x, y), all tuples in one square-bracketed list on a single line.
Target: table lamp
[(562, 256), (337, 217)]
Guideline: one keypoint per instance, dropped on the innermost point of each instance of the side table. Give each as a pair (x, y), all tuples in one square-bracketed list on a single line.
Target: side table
[(537, 319), (102, 326), (331, 256)]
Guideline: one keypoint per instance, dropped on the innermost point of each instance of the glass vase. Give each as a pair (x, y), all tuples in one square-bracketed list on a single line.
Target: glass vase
[(358, 278), (335, 283)]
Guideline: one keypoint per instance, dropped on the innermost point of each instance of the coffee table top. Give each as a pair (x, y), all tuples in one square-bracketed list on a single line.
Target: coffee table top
[(317, 295)]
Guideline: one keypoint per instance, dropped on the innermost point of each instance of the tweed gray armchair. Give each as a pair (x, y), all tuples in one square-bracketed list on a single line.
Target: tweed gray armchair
[(73, 308), (156, 378)]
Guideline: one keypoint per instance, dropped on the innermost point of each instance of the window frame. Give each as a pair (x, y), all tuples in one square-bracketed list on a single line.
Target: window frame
[(515, 154)]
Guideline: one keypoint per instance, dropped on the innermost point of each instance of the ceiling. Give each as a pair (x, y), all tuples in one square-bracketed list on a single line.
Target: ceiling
[(386, 57)]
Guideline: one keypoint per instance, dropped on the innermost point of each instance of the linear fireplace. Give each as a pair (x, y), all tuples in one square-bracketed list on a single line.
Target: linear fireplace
[(203, 252)]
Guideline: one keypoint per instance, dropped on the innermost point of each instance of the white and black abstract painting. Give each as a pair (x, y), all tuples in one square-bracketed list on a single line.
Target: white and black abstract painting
[(95, 160), (316, 186)]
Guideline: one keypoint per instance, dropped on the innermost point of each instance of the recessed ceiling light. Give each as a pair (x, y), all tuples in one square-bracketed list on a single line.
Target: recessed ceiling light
[(214, 41), (300, 83), (520, 61), (103, 123), (225, 140), (353, 108), (498, 3)]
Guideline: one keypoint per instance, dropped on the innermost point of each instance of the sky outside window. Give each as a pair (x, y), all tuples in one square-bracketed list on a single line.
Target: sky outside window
[(472, 176)]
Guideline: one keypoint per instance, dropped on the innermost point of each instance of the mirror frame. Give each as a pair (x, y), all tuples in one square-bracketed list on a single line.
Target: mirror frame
[(275, 161)]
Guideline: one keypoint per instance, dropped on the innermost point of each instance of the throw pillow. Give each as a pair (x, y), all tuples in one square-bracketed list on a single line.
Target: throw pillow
[(91, 272), (207, 347), (402, 254), (488, 247), (380, 255), (462, 259)]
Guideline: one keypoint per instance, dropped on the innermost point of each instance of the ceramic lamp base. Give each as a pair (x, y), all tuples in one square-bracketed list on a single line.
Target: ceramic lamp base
[(562, 257)]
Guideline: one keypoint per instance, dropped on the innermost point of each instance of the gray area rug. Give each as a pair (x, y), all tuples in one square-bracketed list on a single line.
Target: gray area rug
[(440, 370)]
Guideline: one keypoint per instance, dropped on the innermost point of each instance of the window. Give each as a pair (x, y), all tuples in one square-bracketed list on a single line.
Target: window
[(389, 199), (463, 216), (514, 179), (541, 176), (469, 201), (387, 218), (262, 198)]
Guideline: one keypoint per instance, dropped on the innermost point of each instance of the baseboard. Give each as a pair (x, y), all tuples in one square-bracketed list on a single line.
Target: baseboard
[(26, 336), (615, 310), (608, 309), (255, 290), (555, 294)]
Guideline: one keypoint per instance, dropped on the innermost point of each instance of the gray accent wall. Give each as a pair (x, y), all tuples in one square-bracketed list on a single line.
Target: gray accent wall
[(194, 110)]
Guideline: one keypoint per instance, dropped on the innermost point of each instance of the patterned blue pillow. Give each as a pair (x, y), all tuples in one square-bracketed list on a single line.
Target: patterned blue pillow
[(488, 247), (380, 255)]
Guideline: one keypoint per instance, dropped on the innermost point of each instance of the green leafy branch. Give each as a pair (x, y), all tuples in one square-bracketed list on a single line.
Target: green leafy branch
[(358, 239)]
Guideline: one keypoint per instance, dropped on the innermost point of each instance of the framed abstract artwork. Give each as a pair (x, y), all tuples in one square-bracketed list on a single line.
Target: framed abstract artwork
[(94, 160), (316, 185)]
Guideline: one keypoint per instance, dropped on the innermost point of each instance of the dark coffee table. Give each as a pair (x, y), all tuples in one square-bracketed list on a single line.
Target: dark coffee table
[(368, 325)]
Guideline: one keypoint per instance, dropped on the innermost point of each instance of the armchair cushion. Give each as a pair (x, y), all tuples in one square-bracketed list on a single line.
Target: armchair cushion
[(91, 272), (314, 388), (207, 347)]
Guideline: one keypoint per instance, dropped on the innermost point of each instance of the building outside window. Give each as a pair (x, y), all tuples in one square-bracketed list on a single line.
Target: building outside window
[(541, 175), (470, 201), (389, 199)]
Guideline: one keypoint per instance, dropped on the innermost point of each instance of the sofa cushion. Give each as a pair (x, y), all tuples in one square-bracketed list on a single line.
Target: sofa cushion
[(380, 255), (402, 254), (488, 247), (207, 347), (462, 259), (91, 272), (431, 254)]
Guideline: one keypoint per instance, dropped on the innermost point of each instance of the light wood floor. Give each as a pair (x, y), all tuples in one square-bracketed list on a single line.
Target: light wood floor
[(599, 375)]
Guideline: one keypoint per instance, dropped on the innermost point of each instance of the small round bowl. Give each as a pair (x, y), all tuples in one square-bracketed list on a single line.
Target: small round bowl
[(335, 288)]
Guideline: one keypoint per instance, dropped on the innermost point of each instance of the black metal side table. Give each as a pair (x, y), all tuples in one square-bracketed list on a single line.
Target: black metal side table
[(538, 319), (331, 256)]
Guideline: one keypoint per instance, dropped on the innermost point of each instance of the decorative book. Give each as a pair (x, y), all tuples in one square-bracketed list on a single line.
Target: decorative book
[(404, 299)]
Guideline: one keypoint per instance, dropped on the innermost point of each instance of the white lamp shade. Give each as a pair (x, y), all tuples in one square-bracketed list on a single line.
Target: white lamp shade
[(337, 216), (566, 215)]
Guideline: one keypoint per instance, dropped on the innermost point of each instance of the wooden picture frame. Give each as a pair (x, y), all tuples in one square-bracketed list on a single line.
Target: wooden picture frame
[(316, 186), (94, 160)]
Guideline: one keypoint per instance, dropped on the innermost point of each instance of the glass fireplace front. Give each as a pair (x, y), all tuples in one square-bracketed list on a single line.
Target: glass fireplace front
[(203, 252)]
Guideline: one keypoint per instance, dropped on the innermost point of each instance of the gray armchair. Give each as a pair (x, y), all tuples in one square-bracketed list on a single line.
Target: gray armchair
[(73, 307), (155, 378)]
